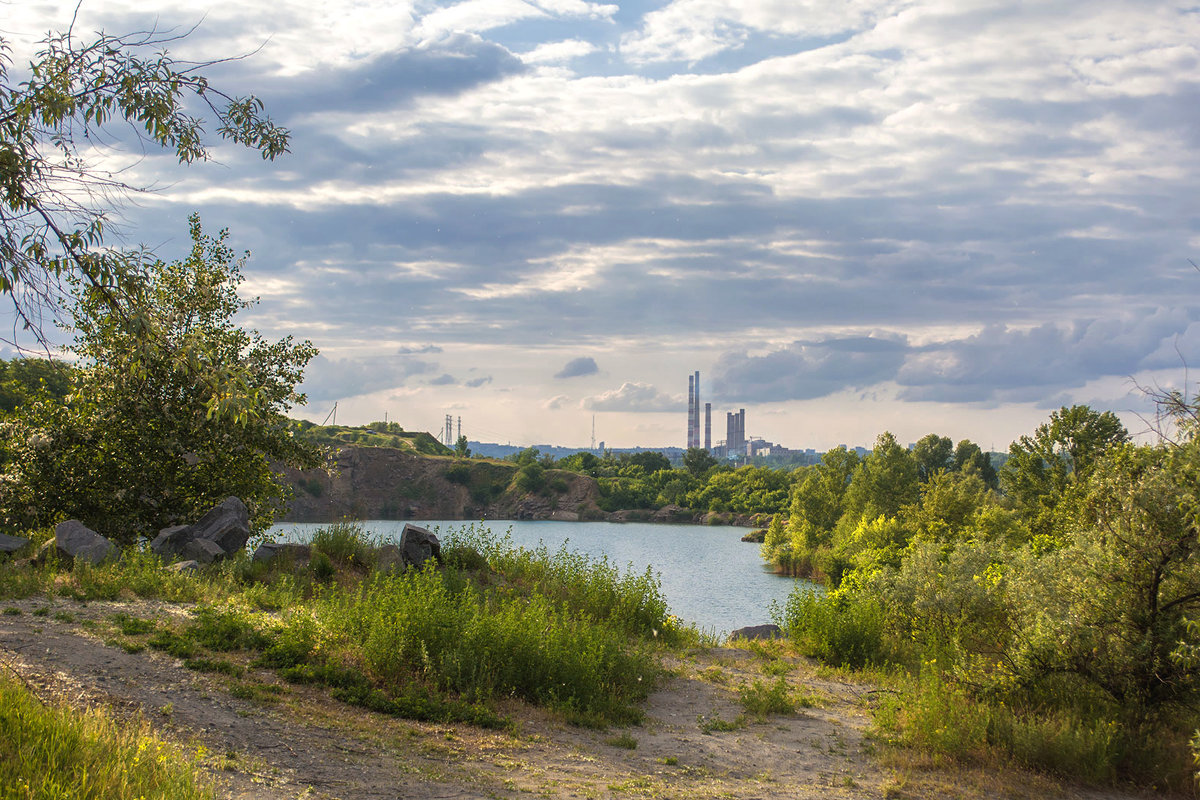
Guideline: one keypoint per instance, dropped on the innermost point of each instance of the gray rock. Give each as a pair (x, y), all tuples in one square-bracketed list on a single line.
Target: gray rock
[(170, 541), (418, 545), (295, 553), (11, 544), (757, 632), (184, 566), (227, 524), (79, 541), (219, 533), (389, 559), (203, 550)]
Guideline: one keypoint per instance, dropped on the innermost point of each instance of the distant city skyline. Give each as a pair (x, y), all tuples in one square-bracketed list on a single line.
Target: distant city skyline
[(919, 216)]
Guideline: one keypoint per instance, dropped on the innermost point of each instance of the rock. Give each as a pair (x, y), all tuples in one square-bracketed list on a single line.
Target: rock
[(77, 541), (758, 536), (11, 544), (171, 541), (227, 524), (184, 566), (203, 550), (418, 545), (389, 558), (297, 554), (221, 532), (757, 632)]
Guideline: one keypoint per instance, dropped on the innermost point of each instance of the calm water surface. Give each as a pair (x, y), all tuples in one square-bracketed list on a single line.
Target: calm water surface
[(709, 576)]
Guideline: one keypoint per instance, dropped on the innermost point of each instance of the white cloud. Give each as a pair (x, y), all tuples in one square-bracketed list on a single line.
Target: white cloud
[(633, 396), (556, 52)]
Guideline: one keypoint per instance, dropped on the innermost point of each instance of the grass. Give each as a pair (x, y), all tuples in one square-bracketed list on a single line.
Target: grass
[(51, 751), (443, 644)]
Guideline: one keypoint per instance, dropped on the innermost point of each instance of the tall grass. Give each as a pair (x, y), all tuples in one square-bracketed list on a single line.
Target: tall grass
[(481, 645), (1093, 745), (631, 601), (53, 752), (844, 634)]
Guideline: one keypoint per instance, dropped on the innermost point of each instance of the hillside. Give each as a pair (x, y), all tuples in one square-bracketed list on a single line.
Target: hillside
[(389, 483)]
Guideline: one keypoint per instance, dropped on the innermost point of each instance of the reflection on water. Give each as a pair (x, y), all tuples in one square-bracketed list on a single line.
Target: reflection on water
[(709, 576)]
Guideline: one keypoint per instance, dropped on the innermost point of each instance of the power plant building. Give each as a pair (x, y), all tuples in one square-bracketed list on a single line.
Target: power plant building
[(735, 424)]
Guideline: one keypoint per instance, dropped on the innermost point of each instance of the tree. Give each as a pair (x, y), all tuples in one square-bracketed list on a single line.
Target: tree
[(932, 453), (970, 458), (143, 441), (698, 461), (1062, 452), (461, 449), (53, 197)]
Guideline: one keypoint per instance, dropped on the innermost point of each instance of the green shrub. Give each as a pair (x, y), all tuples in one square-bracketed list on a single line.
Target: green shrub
[(762, 699), (344, 543), (845, 631)]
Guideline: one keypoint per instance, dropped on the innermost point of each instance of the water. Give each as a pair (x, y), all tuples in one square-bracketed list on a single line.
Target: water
[(709, 576)]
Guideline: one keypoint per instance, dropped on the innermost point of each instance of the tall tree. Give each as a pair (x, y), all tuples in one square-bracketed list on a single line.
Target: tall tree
[(143, 442), (932, 454)]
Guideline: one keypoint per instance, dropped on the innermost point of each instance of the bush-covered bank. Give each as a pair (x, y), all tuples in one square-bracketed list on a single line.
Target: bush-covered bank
[(441, 643), (1047, 620)]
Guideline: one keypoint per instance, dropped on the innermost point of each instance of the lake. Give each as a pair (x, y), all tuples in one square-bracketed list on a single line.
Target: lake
[(709, 576)]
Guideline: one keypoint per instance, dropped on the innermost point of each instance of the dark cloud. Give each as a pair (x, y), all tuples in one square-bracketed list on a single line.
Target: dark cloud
[(578, 367), (633, 396), (1003, 363), (327, 380), (807, 369), (426, 349), (393, 80), (445, 379), (475, 383)]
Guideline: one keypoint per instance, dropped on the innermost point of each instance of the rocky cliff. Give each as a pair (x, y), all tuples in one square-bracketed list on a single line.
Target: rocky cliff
[(384, 483)]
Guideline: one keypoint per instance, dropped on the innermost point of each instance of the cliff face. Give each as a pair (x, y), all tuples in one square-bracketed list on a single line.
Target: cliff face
[(383, 483)]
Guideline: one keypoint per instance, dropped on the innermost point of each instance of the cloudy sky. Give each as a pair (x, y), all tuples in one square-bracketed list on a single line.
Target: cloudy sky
[(945, 216)]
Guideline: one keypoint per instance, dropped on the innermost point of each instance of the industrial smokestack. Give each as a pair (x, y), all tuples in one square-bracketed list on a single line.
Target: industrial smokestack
[(691, 405), (708, 426)]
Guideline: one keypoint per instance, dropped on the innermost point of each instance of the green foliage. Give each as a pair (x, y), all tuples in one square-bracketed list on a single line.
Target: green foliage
[(834, 630), (23, 379), (345, 543), (762, 699), (698, 461), (530, 478), (52, 751), (374, 434), (461, 449), (173, 409), (71, 94)]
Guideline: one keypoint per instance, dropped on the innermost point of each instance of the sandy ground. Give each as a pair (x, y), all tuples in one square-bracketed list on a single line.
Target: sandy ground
[(295, 742)]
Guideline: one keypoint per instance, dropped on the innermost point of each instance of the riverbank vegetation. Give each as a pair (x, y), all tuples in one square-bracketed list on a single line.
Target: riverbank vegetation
[(445, 643), (1047, 617)]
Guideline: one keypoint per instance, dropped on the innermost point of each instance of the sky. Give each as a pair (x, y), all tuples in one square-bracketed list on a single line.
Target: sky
[(851, 216)]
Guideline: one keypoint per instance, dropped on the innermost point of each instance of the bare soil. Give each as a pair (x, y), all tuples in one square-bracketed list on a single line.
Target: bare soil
[(288, 741)]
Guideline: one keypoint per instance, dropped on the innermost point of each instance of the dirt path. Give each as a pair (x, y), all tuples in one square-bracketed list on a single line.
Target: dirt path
[(283, 741)]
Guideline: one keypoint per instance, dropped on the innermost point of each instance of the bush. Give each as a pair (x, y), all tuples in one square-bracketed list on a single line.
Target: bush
[(845, 631)]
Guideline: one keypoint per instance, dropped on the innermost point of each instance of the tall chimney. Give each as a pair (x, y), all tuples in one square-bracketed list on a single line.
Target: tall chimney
[(708, 426), (691, 404)]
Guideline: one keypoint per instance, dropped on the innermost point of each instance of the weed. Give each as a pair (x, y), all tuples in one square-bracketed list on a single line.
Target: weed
[(715, 724), (64, 616), (670, 761), (12, 611), (344, 543), (49, 747), (623, 741), (173, 644), (761, 699), (126, 645), (43, 611), (133, 626), (714, 675), (214, 665), (226, 629), (268, 693)]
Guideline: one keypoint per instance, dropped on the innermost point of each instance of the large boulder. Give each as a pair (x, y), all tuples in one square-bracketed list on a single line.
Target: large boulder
[(227, 524), (219, 533), (11, 544), (295, 553), (757, 632), (74, 540), (418, 545)]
